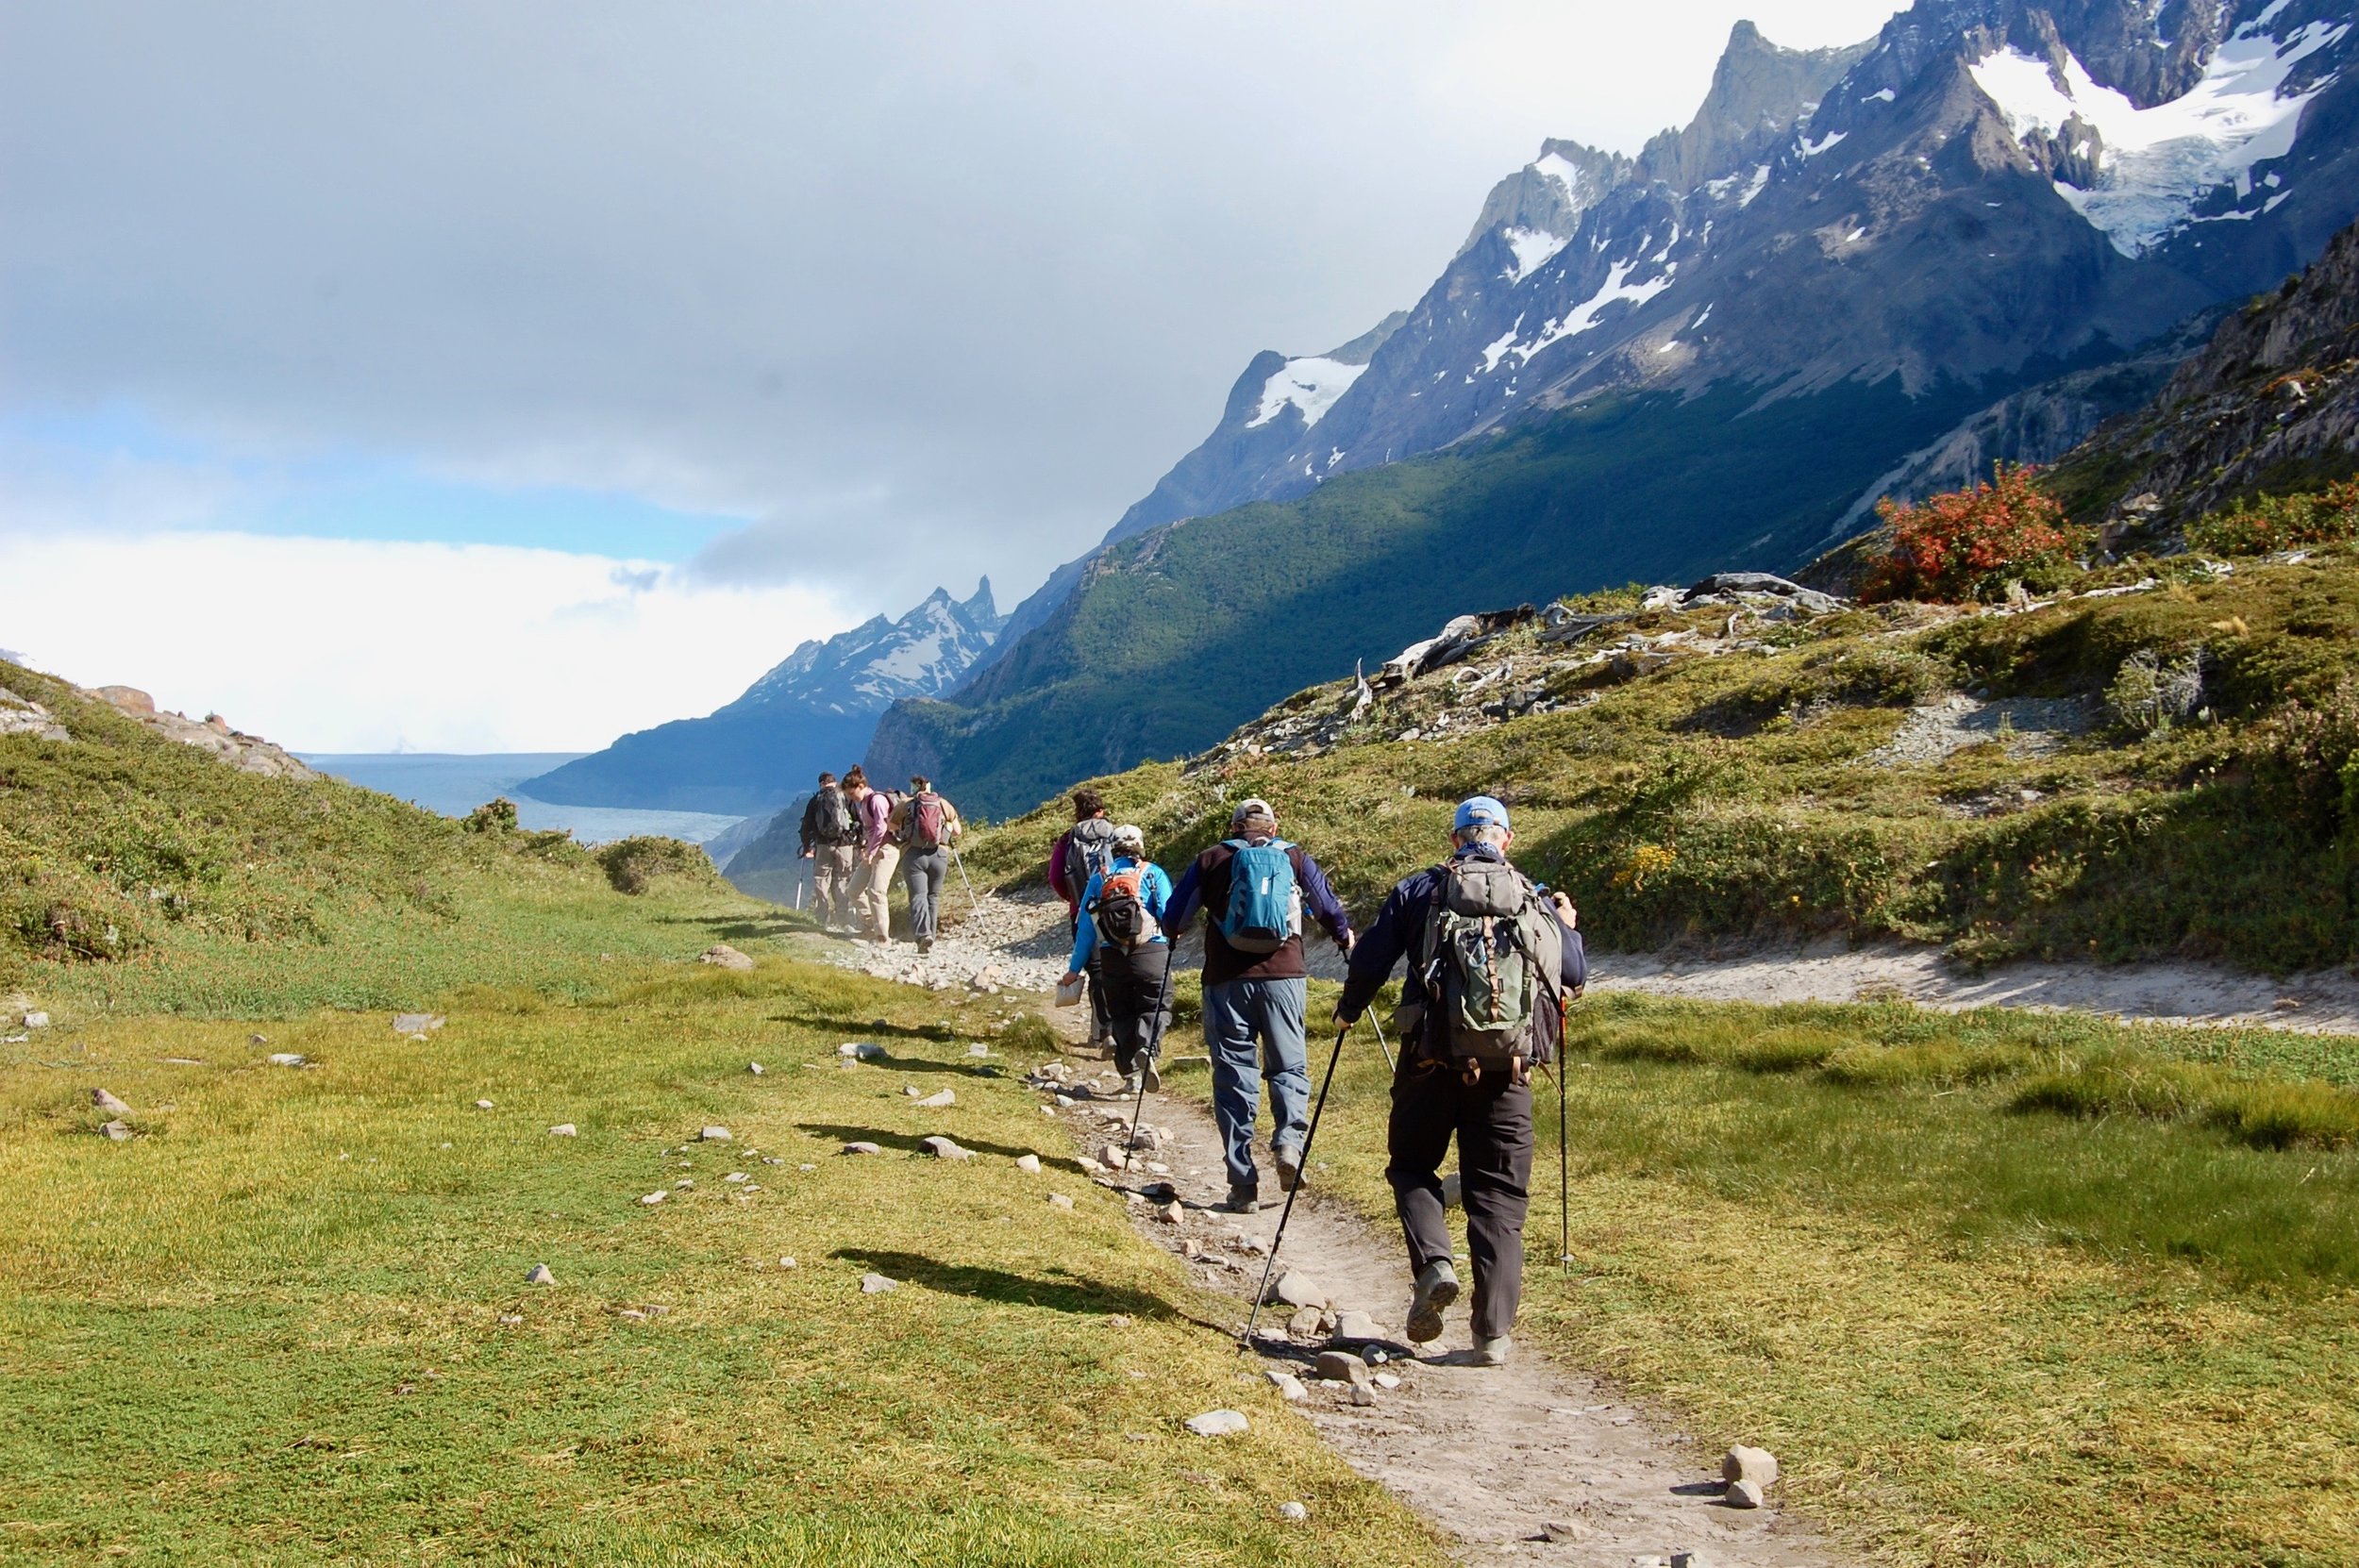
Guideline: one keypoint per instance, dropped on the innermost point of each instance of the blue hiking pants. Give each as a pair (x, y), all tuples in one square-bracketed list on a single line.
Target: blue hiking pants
[(1237, 1013)]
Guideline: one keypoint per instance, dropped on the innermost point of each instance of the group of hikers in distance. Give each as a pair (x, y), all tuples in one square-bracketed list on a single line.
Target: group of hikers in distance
[(1492, 961), (855, 836)]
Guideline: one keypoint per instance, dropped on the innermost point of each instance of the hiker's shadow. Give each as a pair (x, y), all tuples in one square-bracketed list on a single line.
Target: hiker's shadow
[(828, 1023), (740, 929), (1059, 1290), (909, 1142)]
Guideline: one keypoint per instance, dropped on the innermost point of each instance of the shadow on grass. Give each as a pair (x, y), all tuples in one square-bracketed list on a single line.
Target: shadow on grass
[(908, 1142), (741, 928), (1059, 1290), (855, 1028)]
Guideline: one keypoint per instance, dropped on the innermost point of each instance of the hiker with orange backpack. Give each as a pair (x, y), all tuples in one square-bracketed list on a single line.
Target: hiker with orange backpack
[(930, 826), (1118, 941)]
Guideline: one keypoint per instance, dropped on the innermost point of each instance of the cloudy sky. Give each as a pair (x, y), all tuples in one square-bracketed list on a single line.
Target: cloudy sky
[(503, 377)]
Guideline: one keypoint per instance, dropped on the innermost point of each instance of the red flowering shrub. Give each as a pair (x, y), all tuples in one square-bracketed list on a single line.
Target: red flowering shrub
[(1970, 544)]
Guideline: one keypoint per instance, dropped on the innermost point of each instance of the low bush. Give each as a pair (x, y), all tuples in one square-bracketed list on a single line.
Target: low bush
[(1966, 545), (2266, 523), (634, 864), (2148, 695), (2261, 1113)]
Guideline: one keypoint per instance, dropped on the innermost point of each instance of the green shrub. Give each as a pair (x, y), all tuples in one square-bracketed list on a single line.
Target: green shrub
[(2270, 523), (1790, 1050), (1946, 1063), (493, 817), (2148, 695), (634, 864), (2260, 1112)]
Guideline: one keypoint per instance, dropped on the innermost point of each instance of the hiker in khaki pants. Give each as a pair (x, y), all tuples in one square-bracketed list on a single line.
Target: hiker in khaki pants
[(872, 884)]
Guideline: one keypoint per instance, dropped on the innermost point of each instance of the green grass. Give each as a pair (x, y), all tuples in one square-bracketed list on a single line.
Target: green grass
[(1725, 801), (270, 1328), (1973, 1333)]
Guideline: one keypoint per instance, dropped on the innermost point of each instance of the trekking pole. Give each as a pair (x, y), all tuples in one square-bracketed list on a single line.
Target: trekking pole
[(973, 905), (1309, 1137), (1389, 1065), (1563, 1158)]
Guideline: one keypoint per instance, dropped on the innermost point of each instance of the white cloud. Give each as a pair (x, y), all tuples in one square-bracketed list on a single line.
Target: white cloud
[(347, 645)]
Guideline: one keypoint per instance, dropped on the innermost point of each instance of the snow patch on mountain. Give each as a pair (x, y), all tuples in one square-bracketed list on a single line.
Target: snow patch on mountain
[(2153, 164), (878, 662), (1310, 385), (1533, 248)]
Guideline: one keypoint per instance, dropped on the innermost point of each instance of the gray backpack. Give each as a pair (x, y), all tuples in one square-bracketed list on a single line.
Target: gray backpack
[(1492, 962)]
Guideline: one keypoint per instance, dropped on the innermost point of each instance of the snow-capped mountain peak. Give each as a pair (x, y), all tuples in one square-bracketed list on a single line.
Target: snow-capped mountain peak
[(875, 664)]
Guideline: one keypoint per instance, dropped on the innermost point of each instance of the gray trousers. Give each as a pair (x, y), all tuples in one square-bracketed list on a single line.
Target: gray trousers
[(831, 868), (1237, 1013), (923, 874)]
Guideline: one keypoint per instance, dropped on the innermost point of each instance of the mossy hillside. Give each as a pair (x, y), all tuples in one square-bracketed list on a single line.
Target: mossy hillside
[(1731, 799), (139, 872)]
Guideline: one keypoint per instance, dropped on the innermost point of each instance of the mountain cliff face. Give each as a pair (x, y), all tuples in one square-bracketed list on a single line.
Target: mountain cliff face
[(816, 709), (1893, 261)]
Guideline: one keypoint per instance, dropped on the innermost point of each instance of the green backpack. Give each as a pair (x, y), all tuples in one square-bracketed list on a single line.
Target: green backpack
[(1493, 966)]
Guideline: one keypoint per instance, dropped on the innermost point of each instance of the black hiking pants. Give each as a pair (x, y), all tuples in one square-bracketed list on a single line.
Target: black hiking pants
[(1132, 985), (1492, 1121)]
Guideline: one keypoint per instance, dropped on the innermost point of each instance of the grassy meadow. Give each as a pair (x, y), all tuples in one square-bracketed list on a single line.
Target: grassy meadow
[(287, 1322)]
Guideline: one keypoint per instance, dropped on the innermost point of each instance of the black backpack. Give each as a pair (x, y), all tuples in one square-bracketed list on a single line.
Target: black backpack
[(831, 819), (1120, 912)]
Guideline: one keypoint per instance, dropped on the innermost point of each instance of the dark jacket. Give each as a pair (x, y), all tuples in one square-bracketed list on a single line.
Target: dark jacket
[(1398, 929), (1205, 884), (810, 816)]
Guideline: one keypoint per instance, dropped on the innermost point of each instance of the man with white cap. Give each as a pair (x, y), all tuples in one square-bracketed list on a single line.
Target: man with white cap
[(1254, 887), (1491, 959)]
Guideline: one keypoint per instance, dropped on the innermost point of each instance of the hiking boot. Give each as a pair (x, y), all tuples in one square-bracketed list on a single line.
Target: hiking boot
[(1129, 1084), (1149, 1077), (924, 946), (1492, 1350), (1241, 1200), (1288, 1160), (1438, 1287)]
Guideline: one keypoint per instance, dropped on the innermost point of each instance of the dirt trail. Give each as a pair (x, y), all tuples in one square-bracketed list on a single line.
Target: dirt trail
[(1525, 1463)]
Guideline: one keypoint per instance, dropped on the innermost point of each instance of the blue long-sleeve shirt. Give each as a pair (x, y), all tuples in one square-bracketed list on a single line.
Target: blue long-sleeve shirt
[(1154, 892), (1394, 936), (1205, 884)]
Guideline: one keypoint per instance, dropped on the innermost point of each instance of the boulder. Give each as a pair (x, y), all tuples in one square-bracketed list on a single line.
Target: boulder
[(876, 1284), (937, 1100), (286, 1059), (1305, 1322), (562, 1130), (860, 1050), (944, 1148), (1745, 1495), (1357, 1328), (107, 1103), (1027, 1163), (1340, 1365), (722, 955), (862, 1146), (714, 1135), (117, 1131), (539, 1275), (1288, 1385)]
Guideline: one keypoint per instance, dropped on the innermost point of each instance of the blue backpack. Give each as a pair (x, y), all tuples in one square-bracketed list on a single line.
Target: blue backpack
[(1264, 902)]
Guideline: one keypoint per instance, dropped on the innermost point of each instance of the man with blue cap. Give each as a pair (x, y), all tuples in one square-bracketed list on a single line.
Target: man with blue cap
[(1491, 960)]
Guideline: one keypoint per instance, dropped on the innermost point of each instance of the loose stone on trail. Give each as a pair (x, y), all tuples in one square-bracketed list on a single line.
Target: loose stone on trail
[(862, 1146), (1745, 1494), (1362, 1395), (1288, 1385), (1757, 1466), (1340, 1365), (107, 1103), (1357, 1327), (1296, 1288), (876, 1284), (1305, 1322), (562, 1130), (539, 1275), (1219, 1422)]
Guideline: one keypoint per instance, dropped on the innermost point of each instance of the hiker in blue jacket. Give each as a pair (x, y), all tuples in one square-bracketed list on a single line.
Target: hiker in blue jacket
[(1118, 941), (1440, 1091), (1254, 887)]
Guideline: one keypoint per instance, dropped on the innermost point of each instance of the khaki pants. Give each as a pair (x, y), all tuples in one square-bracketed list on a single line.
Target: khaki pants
[(832, 868), (871, 893)]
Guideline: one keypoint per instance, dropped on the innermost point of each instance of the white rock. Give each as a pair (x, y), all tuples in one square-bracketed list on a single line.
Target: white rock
[(684, 1184), (1058, 1200), (1745, 1494), (1757, 1466), (1387, 1380), (979, 1050), (116, 1131), (1362, 1393), (415, 1023), (786, 1262), (657, 1196), (286, 1058), (936, 1100), (714, 1135), (1287, 1384), (1293, 1512), (734, 1176), (862, 1146), (483, 1104), (107, 1103), (1219, 1422), (876, 1284), (756, 1067), (564, 1129), (944, 1148), (1027, 1163), (539, 1275), (36, 1020), (1296, 1288), (861, 1049)]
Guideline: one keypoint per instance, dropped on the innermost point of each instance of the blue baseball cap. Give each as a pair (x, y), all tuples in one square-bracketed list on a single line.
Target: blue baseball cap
[(1480, 811)]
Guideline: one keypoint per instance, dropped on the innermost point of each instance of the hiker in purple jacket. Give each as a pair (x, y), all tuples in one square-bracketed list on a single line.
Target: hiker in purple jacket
[(1256, 988)]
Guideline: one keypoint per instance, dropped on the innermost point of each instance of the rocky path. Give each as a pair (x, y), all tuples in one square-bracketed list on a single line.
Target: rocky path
[(1527, 1463)]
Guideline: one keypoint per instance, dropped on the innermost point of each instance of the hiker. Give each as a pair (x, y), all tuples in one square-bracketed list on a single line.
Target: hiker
[(1119, 939), (1086, 850), (831, 844), (872, 884), (1492, 960), (1254, 887), (930, 826)]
